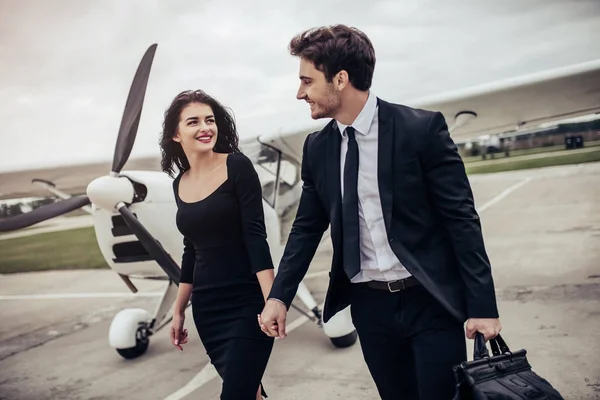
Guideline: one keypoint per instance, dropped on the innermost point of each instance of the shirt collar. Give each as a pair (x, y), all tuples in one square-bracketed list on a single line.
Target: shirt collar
[(362, 123)]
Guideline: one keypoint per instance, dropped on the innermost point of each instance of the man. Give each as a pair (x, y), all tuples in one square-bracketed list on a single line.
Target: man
[(408, 252)]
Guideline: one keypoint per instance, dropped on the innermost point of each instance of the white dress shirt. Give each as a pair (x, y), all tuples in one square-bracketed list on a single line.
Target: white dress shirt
[(377, 260)]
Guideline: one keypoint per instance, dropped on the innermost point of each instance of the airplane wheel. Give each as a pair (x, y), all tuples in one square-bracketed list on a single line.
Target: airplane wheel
[(141, 345), (346, 340), (134, 352)]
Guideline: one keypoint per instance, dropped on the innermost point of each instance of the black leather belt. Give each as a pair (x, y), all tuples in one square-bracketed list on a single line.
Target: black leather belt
[(393, 286)]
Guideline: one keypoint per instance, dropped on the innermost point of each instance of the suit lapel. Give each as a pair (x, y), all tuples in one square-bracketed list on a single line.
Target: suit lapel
[(385, 170)]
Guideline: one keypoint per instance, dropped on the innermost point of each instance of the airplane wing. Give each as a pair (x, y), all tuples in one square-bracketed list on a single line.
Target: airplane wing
[(525, 101), (497, 107)]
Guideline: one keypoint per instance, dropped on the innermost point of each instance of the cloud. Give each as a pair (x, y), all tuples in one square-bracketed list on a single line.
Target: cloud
[(66, 67)]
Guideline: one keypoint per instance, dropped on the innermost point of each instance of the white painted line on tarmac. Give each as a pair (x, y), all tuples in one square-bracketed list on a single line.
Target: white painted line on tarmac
[(206, 374), (59, 296), (61, 224), (209, 372), (298, 322), (502, 195)]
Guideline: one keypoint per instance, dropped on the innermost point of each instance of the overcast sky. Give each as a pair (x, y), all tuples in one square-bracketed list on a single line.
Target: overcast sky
[(66, 65)]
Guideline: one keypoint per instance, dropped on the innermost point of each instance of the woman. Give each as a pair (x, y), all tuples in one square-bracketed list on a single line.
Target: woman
[(226, 265)]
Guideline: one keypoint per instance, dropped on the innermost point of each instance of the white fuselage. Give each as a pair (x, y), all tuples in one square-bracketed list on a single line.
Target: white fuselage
[(122, 250)]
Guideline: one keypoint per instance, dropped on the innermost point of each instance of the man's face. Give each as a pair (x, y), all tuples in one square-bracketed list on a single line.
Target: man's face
[(322, 96)]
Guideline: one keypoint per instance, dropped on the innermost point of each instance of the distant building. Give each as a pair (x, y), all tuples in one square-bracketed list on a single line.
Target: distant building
[(555, 135), (545, 136)]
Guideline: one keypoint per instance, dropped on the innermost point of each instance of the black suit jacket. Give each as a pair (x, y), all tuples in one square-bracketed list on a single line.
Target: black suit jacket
[(428, 208)]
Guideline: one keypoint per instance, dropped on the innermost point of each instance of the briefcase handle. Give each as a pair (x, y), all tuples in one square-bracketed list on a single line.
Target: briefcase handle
[(497, 344)]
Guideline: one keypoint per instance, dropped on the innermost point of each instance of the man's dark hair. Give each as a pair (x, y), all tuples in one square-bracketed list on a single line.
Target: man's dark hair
[(335, 48)]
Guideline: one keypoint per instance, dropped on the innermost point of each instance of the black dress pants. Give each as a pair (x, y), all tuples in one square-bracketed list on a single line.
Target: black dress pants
[(409, 341)]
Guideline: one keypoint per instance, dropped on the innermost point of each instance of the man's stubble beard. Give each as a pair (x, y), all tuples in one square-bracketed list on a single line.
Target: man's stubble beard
[(330, 107)]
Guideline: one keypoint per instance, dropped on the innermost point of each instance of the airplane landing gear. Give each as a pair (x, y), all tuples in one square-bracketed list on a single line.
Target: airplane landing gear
[(129, 332), (131, 328), (142, 341), (345, 341), (340, 329)]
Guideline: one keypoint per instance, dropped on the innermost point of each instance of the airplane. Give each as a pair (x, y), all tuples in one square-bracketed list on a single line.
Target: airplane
[(133, 211)]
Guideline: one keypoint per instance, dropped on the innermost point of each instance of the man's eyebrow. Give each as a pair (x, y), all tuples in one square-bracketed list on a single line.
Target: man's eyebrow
[(302, 77)]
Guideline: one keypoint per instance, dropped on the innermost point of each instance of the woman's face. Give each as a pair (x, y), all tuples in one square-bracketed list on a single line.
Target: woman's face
[(197, 129)]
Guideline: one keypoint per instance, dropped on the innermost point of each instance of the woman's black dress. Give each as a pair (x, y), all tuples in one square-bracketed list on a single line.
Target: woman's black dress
[(224, 247)]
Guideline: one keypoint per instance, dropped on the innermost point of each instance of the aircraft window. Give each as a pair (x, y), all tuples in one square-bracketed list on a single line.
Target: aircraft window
[(266, 160), (289, 175), (269, 162)]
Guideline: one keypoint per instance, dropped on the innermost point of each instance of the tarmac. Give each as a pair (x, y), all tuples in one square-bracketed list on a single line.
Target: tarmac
[(542, 232)]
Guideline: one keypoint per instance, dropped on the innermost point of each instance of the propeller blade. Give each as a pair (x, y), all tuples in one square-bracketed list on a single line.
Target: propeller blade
[(133, 111), (43, 213), (152, 246)]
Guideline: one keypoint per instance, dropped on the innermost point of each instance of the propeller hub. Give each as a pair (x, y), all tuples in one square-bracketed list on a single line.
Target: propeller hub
[(107, 191)]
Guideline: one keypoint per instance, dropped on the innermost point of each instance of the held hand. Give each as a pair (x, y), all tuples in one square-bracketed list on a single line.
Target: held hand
[(272, 319), (179, 335), (488, 327)]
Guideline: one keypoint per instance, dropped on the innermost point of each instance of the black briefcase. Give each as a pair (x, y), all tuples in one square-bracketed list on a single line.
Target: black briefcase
[(505, 376)]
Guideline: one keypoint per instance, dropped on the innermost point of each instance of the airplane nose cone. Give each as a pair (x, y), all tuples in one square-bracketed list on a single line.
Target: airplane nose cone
[(107, 191)]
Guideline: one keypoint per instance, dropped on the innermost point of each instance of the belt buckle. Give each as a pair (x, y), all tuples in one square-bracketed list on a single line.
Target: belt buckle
[(401, 283)]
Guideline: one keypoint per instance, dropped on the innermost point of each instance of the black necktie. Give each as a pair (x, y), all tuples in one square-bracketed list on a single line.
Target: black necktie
[(351, 232)]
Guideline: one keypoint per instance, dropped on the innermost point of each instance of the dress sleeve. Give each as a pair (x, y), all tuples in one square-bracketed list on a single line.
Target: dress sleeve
[(188, 260), (249, 193)]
